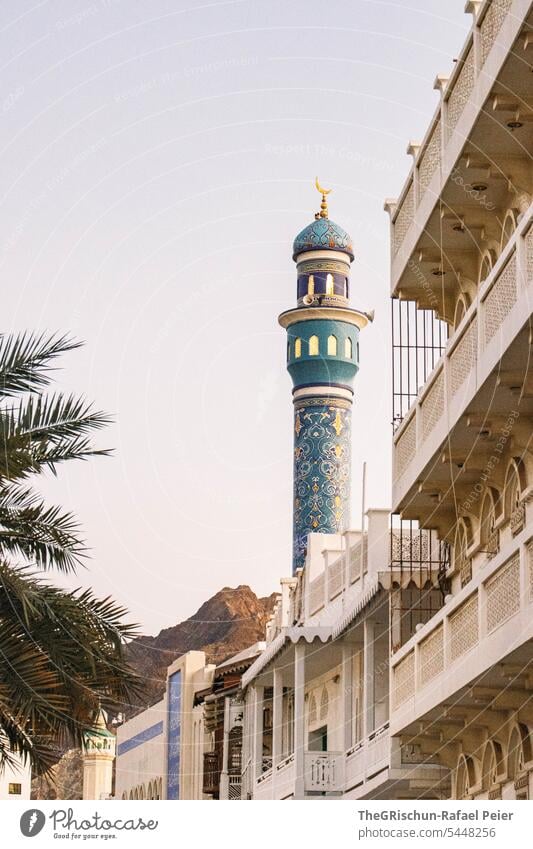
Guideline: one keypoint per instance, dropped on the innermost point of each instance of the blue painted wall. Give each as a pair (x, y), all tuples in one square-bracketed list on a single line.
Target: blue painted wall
[(174, 736)]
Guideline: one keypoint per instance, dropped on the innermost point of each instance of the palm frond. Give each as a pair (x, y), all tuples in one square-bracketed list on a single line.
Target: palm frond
[(60, 654), (43, 534), (26, 360), (44, 431)]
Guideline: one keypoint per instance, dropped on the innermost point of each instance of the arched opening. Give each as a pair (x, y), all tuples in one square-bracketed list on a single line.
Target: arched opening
[(332, 346), (311, 286), (313, 346), (348, 350), (518, 755), (489, 536), (330, 285), (508, 228), (514, 506), (465, 777), (462, 563), (485, 266), (297, 348), (461, 308), (312, 710), (324, 703), (492, 769)]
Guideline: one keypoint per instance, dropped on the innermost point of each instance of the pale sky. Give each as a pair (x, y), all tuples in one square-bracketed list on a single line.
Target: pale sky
[(157, 160)]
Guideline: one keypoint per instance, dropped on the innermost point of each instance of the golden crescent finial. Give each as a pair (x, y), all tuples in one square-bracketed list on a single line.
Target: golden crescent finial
[(320, 189), (324, 205)]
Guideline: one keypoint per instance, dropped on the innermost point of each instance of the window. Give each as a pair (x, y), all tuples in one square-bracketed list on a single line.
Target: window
[(332, 346), (348, 348), (313, 346), (15, 789), (329, 285), (298, 348), (311, 285)]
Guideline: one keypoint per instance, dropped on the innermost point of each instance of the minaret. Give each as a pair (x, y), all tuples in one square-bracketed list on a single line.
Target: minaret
[(322, 360), (98, 757)]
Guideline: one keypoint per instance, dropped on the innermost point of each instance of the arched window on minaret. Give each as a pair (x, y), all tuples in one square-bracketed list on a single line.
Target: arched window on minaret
[(313, 346), (348, 348), (311, 285), (332, 346), (298, 348), (330, 290)]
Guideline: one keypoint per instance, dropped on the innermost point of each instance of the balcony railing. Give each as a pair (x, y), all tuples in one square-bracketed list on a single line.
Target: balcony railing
[(324, 772), (456, 374), (431, 663), (457, 93)]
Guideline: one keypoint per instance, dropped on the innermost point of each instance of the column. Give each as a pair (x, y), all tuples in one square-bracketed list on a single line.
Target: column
[(347, 695), (299, 719), (258, 733), (368, 672), (224, 780), (277, 719)]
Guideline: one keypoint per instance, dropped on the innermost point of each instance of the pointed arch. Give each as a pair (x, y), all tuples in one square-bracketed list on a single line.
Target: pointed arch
[(297, 348), (465, 777), (348, 349), (324, 703), (508, 227), (461, 561), (330, 285), (492, 765), (519, 751), (515, 486), (312, 709), (311, 285), (485, 267), (332, 346), (461, 308), (314, 348), (489, 536)]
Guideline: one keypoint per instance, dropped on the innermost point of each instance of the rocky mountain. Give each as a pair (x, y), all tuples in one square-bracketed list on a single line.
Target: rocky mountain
[(227, 623)]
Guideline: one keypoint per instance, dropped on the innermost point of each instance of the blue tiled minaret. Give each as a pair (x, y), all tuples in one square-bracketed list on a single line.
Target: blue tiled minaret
[(322, 360)]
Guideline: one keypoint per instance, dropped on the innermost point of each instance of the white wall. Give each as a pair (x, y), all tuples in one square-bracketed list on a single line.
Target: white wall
[(145, 761), (15, 775)]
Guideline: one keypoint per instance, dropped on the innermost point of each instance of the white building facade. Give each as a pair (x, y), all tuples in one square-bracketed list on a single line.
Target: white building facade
[(15, 780), (317, 720), (160, 750), (462, 271)]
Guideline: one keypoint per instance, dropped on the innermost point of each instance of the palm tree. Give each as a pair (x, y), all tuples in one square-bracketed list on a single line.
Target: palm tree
[(61, 653)]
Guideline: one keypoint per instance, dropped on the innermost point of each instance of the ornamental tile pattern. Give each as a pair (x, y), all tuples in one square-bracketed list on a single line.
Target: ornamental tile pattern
[(322, 448), (320, 235)]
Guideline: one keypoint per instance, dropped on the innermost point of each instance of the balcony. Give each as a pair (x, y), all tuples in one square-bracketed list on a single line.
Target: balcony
[(460, 114), (489, 620), (475, 355)]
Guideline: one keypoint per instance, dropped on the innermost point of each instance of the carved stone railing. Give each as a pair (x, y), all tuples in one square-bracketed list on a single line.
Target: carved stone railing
[(456, 373), (459, 91), (427, 664), (518, 518), (324, 772)]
